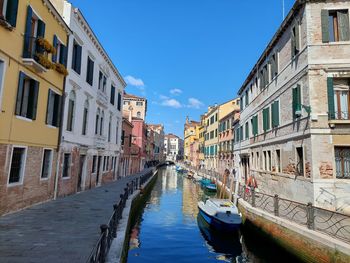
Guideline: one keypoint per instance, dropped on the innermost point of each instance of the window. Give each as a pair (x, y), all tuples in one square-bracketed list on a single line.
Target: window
[(34, 29), (97, 121), (119, 101), (117, 133), (139, 103), (112, 99), (94, 166), (264, 77), (266, 119), (216, 117), (138, 114), (295, 40), (216, 133), (335, 25), (300, 161), (17, 165), (109, 128), (342, 162), (246, 98), (46, 164), (296, 102), (53, 112), (104, 163), (274, 65), (278, 161), (2, 74), (101, 122), (66, 164), (275, 114), (71, 110), (76, 57), (212, 135), (247, 130), (85, 117), (61, 52), (90, 71), (27, 97), (102, 82), (339, 98), (269, 160), (8, 11)]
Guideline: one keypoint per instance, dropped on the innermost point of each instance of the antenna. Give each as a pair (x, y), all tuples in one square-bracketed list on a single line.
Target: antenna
[(283, 9)]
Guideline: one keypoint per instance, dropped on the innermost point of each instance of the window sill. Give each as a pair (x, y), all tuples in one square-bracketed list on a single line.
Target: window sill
[(66, 178), (44, 179), (51, 127), (9, 185), (24, 118), (6, 24), (339, 121), (34, 64)]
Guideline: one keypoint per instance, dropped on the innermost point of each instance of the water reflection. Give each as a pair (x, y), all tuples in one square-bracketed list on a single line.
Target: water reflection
[(170, 230)]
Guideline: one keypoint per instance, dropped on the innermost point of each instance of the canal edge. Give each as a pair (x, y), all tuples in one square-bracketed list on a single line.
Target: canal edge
[(119, 248), (307, 245)]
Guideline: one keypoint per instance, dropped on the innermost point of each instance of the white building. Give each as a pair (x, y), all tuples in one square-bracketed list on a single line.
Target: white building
[(173, 147), (91, 128)]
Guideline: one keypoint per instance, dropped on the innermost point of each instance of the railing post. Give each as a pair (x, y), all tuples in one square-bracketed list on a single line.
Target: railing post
[(276, 205), (310, 216), (103, 251), (115, 220), (253, 196), (126, 191)]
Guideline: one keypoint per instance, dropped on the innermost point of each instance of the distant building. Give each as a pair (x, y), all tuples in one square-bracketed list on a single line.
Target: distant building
[(137, 105), (190, 136), (139, 138), (159, 136), (174, 146)]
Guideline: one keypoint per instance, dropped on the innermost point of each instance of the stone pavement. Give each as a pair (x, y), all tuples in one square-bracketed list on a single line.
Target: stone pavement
[(63, 230)]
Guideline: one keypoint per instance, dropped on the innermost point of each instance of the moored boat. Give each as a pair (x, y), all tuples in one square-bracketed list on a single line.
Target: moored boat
[(220, 214), (211, 187)]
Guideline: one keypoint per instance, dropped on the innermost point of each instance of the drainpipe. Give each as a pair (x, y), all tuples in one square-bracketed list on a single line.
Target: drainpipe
[(60, 128)]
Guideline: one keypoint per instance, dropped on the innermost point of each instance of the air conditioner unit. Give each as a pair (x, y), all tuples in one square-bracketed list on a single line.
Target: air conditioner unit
[(298, 113)]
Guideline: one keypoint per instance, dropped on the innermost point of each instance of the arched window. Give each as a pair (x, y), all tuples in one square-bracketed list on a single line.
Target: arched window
[(71, 109), (85, 116), (97, 120), (101, 122), (138, 114)]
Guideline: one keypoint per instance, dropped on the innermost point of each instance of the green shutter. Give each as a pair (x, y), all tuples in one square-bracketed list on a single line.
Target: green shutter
[(325, 25), (294, 101), (268, 118), (11, 12), (292, 40), (247, 130), (275, 114), (264, 120), (343, 21), (63, 55), (26, 47), (55, 45), (330, 93), (19, 93), (35, 93), (298, 98)]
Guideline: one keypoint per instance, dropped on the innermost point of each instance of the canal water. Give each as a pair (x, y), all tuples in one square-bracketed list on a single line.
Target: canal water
[(169, 229)]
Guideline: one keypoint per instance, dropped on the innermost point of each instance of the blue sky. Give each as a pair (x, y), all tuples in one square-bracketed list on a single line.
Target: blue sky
[(183, 55)]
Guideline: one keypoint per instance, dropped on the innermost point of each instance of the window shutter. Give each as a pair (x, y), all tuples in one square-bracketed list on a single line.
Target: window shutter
[(78, 58), (343, 21), (297, 37), (41, 29), (35, 87), (298, 105), (241, 103), (63, 55), (55, 42), (19, 93), (325, 25), (91, 72), (11, 12), (293, 44), (330, 93), (268, 118), (295, 98), (27, 35), (50, 106)]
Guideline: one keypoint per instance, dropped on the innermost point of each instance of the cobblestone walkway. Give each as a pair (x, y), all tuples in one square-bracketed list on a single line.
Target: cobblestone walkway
[(64, 230)]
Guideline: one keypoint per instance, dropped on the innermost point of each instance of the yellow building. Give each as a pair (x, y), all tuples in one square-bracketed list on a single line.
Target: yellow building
[(33, 54), (190, 136)]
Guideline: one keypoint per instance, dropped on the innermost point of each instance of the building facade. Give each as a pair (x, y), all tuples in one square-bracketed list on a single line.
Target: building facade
[(137, 105), (294, 128), (174, 146), (190, 136), (92, 122), (32, 74), (158, 132), (139, 134)]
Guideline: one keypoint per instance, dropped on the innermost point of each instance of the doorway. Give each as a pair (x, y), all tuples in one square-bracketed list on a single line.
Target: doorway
[(81, 172)]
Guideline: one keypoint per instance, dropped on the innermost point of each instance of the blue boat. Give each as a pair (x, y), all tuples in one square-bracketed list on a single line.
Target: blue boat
[(220, 214), (211, 187), (205, 182)]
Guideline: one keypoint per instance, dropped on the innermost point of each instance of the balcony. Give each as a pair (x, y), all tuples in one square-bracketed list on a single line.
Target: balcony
[(35, 55), (102, 97), (339, 117), (100, 141)]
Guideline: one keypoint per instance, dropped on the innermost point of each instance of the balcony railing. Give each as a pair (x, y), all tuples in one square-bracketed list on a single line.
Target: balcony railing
[(100, 141), (339, 115)]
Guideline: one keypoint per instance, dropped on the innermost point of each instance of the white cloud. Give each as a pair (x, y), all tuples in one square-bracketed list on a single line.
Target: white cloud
[(194, 103), (132, 81), (175, 92), (171, 103)]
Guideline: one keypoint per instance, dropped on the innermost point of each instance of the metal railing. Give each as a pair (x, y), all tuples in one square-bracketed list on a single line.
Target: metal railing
[(328, 222), (109, 230), (339, 115)]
